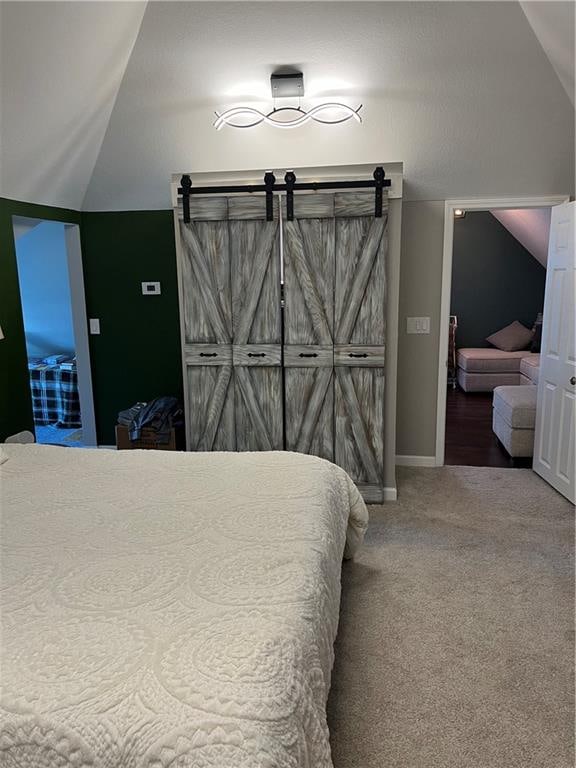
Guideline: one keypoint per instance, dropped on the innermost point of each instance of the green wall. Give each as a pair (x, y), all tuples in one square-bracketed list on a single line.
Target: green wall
[(495, 280), (15, 403), (137, 354)]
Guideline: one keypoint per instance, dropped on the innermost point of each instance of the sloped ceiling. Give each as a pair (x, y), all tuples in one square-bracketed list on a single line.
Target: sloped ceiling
[(531, 227), (61, 65), (461, 92), (21, 226), (553, 24)]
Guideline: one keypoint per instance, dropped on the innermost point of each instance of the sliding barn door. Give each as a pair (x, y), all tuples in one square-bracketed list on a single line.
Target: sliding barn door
[(230, 289), (206, 304), (359, 322), (309, 263), (316, 386), (257, 330)]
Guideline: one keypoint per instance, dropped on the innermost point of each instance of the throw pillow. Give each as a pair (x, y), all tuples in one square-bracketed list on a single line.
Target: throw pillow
[(512, 338)]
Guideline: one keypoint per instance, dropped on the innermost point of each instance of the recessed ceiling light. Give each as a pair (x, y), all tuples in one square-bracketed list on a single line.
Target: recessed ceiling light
[(459, 213)]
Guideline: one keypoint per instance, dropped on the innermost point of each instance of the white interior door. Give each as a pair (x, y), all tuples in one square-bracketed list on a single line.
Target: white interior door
[(554, 458)]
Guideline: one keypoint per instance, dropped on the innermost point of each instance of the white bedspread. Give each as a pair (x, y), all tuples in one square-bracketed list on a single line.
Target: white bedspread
[(169, 610)]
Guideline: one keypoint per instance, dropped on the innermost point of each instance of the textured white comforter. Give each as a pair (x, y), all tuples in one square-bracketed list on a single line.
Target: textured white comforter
[(169, 610)]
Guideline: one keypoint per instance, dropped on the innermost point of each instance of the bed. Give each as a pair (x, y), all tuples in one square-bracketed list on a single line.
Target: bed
[(170, 610)]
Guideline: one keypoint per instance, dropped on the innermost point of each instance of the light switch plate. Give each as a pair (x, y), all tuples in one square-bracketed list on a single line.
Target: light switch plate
[(94, 326), (151, 288), (417, 325)]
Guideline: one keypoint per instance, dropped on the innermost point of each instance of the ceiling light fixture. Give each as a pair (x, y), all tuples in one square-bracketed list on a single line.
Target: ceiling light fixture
[(286, 85), (459, 213)]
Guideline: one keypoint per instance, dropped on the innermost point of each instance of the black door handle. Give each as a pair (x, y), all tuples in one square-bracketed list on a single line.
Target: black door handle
[(256, 354), (353, 354), (308, 354), (208, 354)]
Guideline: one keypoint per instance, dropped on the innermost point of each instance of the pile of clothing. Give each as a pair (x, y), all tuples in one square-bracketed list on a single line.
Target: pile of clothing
[(160, 415)]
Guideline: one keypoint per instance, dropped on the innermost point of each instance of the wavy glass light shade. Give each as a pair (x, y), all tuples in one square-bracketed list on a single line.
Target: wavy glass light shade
[(256, 117)]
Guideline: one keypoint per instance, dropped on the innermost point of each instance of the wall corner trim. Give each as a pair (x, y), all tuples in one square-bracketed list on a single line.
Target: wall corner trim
[(416, 461)]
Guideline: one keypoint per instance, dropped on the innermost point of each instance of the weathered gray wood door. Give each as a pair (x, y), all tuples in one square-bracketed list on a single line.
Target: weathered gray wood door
[(359, 349), (256, 324), (206, 304), (325, 370), (230, 287), (309, 263)]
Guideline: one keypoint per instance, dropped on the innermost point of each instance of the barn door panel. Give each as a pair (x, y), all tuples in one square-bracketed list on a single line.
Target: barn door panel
[(256, 321), (359, 352), (207, 309), (359, 409), (310, 411), (309, 325), (360, 281), (206, 282), (211, 424)]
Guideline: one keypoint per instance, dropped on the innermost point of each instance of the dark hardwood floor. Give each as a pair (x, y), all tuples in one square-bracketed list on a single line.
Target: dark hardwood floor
[(469, 437)]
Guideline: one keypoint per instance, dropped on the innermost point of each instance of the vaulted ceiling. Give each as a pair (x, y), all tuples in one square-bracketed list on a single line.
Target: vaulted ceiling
[(61, 65), (530, 226), (554, 26), (102, 102)]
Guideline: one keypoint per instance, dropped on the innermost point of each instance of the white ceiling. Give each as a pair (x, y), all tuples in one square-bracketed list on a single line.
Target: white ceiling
[(61, 65), (530, 226), (461, 92)]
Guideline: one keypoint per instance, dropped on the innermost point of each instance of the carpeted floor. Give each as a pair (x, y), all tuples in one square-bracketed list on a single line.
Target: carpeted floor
[(456, 639)]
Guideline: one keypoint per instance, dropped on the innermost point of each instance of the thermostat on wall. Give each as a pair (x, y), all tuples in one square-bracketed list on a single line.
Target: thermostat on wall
[(150, 289)]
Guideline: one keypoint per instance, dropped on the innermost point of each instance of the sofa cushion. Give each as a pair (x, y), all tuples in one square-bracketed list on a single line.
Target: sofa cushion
[(516, 405), (485, 382), (488, 360), (512, 338), (530, 367)]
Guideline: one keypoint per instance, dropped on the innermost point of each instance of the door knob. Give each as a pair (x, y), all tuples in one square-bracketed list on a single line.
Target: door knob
[(573, 380)]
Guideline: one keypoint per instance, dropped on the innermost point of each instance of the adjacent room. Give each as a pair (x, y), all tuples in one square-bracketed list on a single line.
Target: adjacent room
[(287, 384), (497, 300), (44, 283)]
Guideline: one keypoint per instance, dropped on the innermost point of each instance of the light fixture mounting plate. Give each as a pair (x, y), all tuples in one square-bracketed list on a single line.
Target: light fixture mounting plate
[(287, 84)]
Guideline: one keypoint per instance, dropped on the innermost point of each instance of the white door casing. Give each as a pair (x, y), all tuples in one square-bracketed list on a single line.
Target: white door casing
[(554, 457)]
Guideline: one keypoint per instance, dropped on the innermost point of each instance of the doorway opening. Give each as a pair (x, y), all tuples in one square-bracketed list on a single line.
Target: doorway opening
[(494, 276), (53, 309)]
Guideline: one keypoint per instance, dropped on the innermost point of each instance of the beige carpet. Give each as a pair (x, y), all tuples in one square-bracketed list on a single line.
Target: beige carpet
[(456, 640)]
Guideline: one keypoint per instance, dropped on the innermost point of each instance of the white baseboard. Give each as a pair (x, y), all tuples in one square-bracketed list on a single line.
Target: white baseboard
[(416, 461), (390, 494)]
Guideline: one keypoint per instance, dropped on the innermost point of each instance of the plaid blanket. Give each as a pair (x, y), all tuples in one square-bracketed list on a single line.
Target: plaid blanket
[(54, 395)]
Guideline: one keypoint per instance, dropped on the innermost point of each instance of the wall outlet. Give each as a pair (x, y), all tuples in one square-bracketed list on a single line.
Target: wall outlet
[(150, 289), (94, 326), (417, 325)]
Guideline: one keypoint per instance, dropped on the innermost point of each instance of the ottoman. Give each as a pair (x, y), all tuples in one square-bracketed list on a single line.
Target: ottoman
[(514, 418)]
